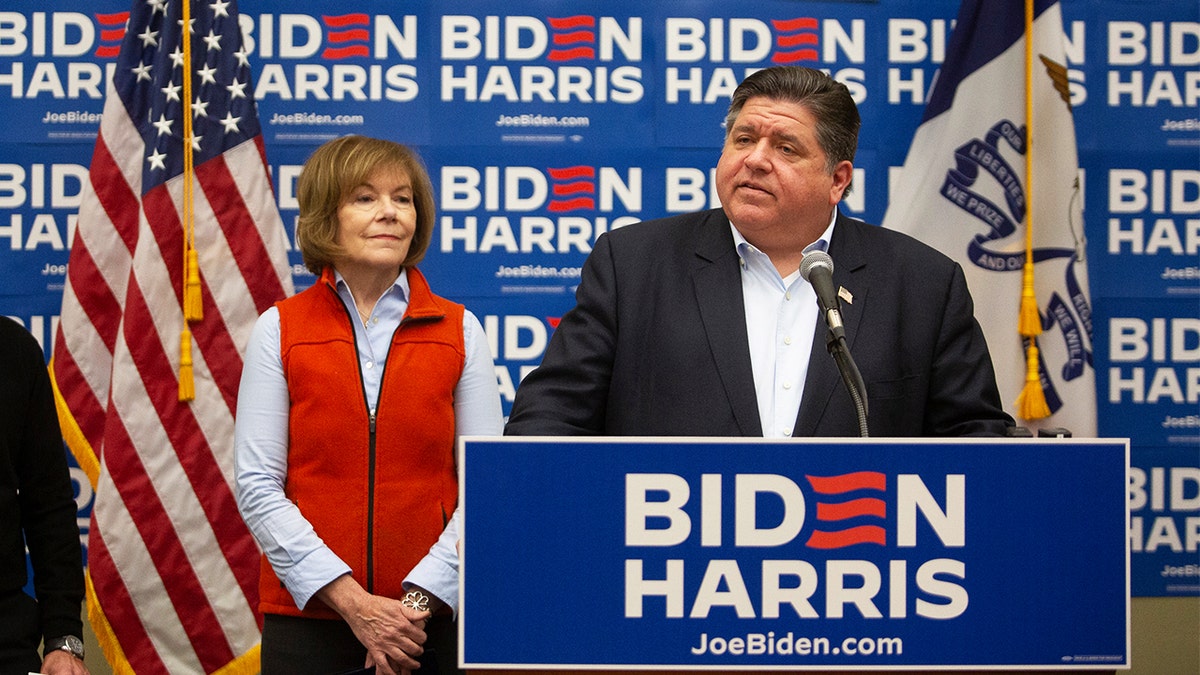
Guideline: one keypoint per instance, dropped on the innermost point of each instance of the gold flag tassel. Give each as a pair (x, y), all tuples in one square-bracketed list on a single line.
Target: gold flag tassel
[(193, 304), (187, 384), (1031, 402), (1030, 321)]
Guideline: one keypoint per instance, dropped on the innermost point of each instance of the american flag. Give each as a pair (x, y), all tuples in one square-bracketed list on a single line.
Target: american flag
[(172, 569)]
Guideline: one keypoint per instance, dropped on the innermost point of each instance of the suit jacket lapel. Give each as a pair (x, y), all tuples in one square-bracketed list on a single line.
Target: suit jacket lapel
[(848, 252), (716, 278)]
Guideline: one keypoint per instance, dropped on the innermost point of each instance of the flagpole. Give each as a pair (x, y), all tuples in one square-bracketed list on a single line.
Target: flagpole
[(193, 307), (1031, 402)]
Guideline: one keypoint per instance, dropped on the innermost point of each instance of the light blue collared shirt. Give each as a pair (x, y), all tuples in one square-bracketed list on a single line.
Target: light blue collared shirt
[(299, 557), (781, 319)]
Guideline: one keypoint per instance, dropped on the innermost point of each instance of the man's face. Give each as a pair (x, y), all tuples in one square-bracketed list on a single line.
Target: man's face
[(772, 176)]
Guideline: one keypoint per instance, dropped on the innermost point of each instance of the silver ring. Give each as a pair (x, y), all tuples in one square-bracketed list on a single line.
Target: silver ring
[(416, 600)]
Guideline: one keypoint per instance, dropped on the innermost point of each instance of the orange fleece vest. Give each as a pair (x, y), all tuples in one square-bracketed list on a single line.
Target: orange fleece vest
[(378, 503)]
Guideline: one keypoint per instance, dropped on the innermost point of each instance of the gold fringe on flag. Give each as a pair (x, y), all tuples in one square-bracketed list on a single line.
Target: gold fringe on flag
[(1031, 402), (193, 304)]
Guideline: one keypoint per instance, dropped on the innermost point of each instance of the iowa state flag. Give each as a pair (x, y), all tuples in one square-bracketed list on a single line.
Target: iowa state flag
[(964, 189)]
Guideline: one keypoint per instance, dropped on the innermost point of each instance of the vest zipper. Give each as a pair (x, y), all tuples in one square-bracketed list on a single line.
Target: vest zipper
[(370, 571), (371, 506), (371, 459)]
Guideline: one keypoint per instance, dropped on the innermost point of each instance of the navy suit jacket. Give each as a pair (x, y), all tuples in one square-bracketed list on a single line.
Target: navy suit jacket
[(657, 345)]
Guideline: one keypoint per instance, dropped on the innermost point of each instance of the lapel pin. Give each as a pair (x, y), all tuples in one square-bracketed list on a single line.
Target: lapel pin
[(845, 295)]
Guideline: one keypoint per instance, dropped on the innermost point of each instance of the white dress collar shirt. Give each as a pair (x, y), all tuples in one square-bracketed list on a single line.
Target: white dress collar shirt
[(781, 317)]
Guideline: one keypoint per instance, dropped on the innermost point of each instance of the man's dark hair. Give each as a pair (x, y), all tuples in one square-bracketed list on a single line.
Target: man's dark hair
[(828, 100)]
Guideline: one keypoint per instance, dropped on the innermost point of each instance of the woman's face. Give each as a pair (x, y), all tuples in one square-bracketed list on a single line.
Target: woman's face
[(376, 222)]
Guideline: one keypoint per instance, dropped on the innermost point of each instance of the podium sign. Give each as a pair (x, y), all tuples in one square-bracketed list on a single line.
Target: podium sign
[(742, 554)]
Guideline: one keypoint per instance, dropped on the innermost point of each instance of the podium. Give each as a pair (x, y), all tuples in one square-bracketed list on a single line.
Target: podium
[(763, 555)]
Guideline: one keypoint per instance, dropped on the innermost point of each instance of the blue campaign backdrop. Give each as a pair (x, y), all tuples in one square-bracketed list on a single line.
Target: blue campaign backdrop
[(545, 124)]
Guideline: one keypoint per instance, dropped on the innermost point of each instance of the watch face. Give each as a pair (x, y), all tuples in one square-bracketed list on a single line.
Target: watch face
[(68, 643)]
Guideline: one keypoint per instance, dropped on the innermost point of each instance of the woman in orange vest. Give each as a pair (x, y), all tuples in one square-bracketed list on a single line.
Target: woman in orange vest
[(353, 394)]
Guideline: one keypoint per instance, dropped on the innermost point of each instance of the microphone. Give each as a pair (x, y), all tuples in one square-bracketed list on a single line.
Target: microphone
[(817, 269)]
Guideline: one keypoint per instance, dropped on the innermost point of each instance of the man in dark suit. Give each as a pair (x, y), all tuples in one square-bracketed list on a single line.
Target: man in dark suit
[(701, 325)]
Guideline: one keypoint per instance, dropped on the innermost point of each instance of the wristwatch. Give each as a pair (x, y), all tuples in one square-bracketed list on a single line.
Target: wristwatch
[(67, 643)]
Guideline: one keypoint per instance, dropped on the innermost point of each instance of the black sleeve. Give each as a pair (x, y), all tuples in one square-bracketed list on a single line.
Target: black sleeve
[(964, 398), (46, 497), (567, 394)]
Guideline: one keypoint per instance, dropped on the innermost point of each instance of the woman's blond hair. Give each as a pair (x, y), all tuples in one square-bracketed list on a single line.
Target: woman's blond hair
[(329, 176)]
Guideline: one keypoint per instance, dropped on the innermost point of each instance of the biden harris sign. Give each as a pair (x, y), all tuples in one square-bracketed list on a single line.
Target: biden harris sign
[(728, 554)]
